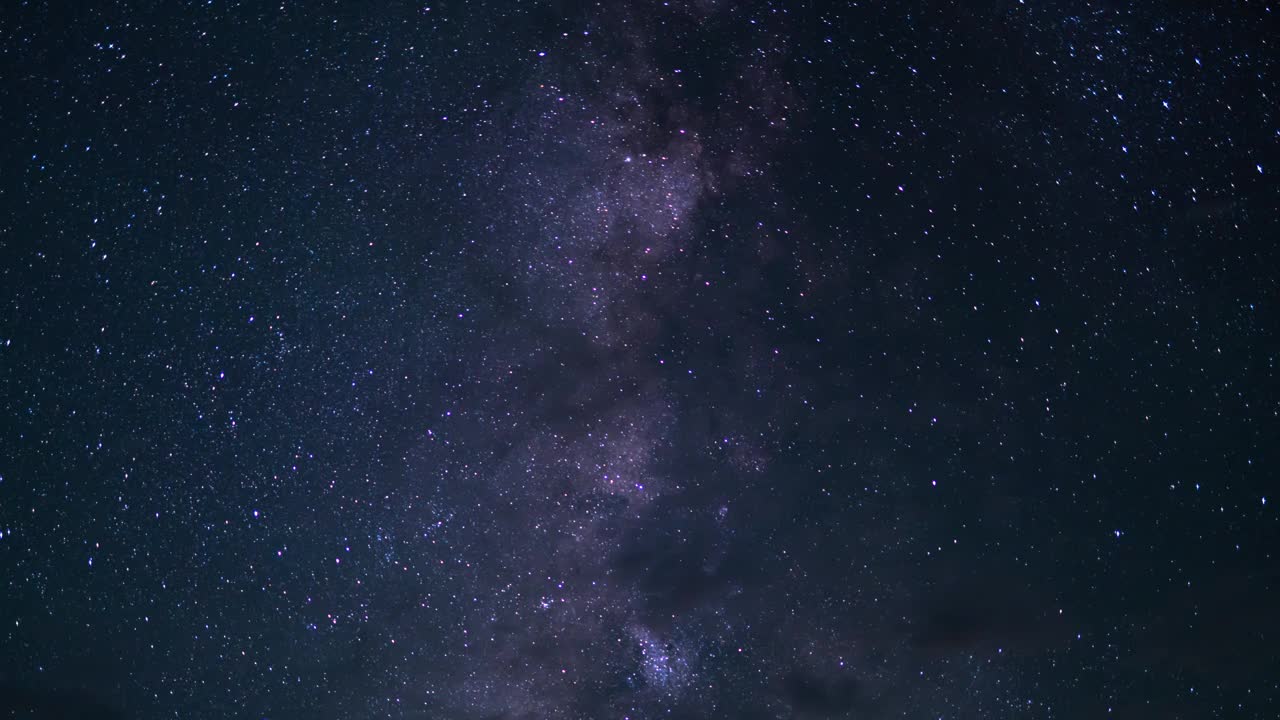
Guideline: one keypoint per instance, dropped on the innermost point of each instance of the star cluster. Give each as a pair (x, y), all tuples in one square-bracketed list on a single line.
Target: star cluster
[(638, 360)]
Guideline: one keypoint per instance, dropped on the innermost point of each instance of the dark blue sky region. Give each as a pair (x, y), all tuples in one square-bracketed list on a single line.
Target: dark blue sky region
[(626, 361)]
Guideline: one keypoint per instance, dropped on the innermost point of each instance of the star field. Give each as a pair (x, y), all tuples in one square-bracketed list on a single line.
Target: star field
[(507, 360)]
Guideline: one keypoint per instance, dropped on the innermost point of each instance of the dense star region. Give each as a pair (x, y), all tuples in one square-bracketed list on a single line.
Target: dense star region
[(622, 361)]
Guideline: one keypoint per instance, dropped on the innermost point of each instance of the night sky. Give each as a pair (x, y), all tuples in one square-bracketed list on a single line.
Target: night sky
[(622, 361)]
